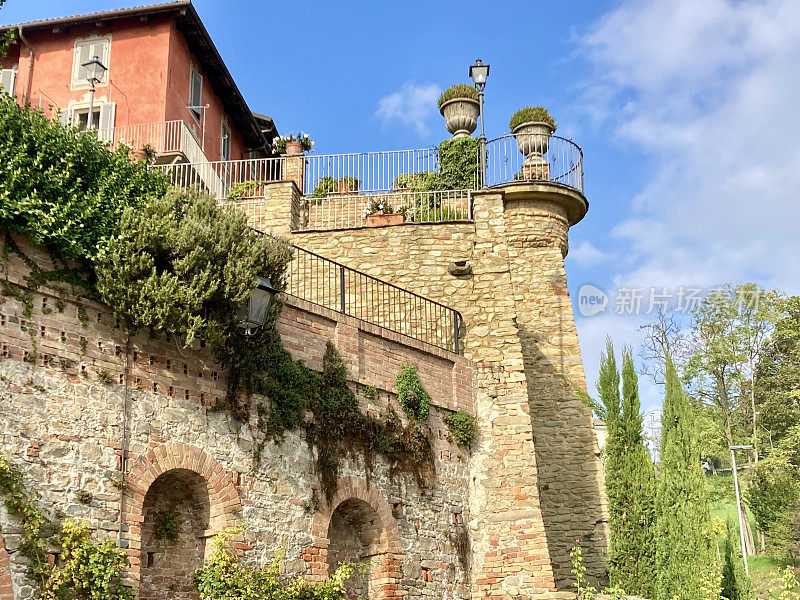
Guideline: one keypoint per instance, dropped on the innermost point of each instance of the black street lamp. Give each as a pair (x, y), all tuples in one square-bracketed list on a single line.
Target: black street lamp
[(95, 71), (479, 71), (253, 313)]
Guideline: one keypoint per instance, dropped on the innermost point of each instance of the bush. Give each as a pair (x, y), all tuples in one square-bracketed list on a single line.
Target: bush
[(183, 266), (462, 427), (459, 90), (62, 188), (325, 185), (243, 189), (531, 114), (458, 163), (223, 577), (88, 570)]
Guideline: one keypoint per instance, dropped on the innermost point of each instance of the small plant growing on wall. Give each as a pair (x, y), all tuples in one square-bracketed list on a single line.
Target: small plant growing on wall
[(167, 526), (462, 427), (412, 397), (84, 496)]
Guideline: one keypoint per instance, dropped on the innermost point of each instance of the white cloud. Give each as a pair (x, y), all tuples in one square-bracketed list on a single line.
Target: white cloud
[(587, 254), (707, 92), (410, 106)]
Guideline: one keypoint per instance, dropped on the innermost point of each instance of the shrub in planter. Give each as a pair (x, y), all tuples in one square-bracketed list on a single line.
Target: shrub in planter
[(325, 186), (531, 114), (459, 107)]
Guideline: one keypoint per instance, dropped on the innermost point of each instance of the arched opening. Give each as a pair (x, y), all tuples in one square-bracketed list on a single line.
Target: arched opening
[(355, 533), (176, 516)]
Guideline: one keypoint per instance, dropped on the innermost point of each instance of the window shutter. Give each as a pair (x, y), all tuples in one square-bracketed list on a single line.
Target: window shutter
[(65, 117), (196, 91), (7, 80), (84, 56), (106, 124)]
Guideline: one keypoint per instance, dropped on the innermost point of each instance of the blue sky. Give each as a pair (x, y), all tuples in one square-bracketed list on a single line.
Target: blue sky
[(686, 112)]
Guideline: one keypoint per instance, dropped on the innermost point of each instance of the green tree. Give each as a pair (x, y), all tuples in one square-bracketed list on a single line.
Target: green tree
[(684, 538), (632, 520), (736, 583)]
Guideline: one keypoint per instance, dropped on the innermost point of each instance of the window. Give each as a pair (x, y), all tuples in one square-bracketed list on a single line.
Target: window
[(195, 93), (86, 51), (225, 142), (80, 118)]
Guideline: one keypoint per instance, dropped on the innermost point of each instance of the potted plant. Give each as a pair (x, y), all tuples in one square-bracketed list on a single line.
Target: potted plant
[(292, 144), (347, 184), (382, 213), (459, 107), (532, 127), (246, 189)]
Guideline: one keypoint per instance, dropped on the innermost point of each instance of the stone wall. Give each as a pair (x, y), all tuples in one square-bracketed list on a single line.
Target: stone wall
[(105, 425), (505, 273)]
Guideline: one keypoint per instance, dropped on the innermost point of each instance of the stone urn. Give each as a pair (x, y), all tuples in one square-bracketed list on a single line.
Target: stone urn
[(460, 116), (293, 148), (533, 138)]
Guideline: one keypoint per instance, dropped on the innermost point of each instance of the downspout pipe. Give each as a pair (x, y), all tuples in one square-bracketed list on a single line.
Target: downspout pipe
[(30, 64)]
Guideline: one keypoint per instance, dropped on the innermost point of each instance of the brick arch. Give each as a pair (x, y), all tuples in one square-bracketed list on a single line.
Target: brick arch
[(6, 591), (389, 550), (170, 457)]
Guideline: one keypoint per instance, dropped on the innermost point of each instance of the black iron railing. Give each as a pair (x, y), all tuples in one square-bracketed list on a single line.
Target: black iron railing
[(333, 285)]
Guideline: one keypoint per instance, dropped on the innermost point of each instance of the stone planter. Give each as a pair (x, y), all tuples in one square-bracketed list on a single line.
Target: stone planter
[(460, 116), (293, 148), (381, 219), (533, 139)]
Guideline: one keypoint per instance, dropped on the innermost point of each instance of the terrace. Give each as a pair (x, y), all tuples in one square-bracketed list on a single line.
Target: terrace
[(342, 191)]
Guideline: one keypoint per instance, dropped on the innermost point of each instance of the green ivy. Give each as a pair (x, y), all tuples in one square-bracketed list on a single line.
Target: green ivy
[(21, 504), (462, 427), (167, 525), (64, 189), (458, 163), (412, 397)]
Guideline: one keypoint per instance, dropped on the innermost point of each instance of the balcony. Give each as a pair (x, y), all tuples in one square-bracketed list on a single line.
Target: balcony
[(171, 141), (341, 191)]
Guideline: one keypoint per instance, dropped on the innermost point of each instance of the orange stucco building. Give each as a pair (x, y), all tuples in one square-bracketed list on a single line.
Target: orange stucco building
[(166, 84)]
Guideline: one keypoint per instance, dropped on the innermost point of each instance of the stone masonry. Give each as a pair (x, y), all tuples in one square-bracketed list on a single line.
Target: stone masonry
[(119, 431), (529, 506)]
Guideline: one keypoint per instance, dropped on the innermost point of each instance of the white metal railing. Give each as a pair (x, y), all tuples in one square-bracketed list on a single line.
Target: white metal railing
[(343, 211), (533, 157), (217, 178), (367, 171)]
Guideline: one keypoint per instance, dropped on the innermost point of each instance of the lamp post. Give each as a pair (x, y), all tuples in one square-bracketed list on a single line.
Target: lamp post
[(253, 313), (95, 71), (479, 71), (738, 501)]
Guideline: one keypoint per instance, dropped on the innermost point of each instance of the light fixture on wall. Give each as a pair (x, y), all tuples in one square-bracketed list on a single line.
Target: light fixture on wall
[(95, 70), (254, 311), (479, 71)]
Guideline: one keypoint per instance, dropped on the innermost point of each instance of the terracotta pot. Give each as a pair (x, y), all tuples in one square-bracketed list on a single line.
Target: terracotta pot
[(460, 116), (294, 148), (347, 185), (381, 219)]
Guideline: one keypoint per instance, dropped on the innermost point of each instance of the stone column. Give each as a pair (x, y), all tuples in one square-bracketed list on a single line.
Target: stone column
[(572, 498)]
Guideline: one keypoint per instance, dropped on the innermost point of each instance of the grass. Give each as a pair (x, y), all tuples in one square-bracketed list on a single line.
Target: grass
[(763, 569)]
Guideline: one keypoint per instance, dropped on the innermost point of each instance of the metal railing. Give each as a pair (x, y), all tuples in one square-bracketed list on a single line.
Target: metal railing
[(333, 285), (533, 157), (367, 171), (164, 137), (343, 211), (217, 178)]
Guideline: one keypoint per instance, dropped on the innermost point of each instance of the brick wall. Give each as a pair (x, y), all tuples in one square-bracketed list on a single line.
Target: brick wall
[(81, 403)]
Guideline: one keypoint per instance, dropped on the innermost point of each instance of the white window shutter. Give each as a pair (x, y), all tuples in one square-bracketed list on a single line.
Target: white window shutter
[(106, 124), (65, 117), (8, 80), (84, 56)]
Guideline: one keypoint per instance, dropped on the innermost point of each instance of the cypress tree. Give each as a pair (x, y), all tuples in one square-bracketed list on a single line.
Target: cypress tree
[(685, 560), (632, 553), (736, 584)]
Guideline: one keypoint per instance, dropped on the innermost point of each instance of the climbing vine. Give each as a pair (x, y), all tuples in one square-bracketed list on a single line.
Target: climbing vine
[(412, 397)]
